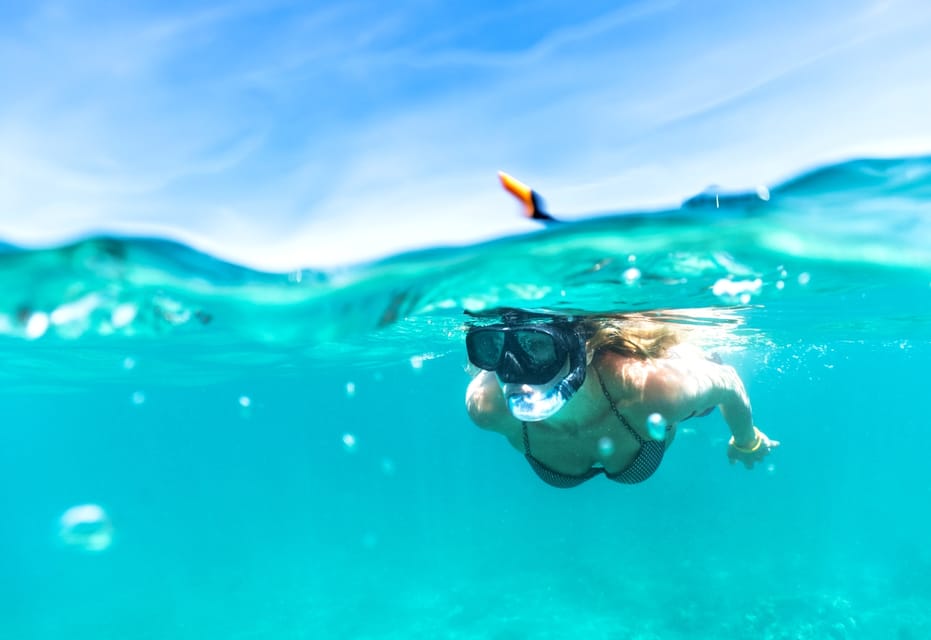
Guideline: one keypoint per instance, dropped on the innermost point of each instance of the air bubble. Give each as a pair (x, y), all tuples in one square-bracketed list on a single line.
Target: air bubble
[(735, 290), (631, 275), (123, 314), (656, 426), (349, 442), (350, 389), (416, 362), (804, 278), (129, 363), (76, 313), (245, 402), (605, 446), (171, 310), (37, 325), (138, 397), (762, 191), (86, 527), (780, 285)]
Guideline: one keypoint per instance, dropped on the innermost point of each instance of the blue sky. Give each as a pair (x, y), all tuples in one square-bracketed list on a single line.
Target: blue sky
[(289, 134)]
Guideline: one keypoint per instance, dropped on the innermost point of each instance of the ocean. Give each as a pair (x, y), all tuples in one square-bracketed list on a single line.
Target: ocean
[(193, 449)]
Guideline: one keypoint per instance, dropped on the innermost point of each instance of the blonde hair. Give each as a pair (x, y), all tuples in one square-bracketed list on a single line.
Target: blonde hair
[(637, 337)]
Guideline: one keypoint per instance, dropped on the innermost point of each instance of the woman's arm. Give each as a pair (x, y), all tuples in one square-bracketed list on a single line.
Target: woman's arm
[(719, 385), (726, 390), (681, 387), (704, 383)]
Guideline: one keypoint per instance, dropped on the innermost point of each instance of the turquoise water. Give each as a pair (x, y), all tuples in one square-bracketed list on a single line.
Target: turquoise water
[(288, 455)]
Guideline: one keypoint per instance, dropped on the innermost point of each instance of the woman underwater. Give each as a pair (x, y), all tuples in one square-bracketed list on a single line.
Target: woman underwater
[(591, 396)]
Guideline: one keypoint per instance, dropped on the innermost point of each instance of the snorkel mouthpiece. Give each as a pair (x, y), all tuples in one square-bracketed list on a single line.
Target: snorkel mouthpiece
[(533, 403)]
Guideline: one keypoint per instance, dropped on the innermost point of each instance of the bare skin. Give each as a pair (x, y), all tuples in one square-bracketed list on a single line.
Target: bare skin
[(679, 386)]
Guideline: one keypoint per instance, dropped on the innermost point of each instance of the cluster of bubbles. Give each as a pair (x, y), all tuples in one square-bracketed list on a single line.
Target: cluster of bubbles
[(88, 526), (631, 274), (350, 441), (742, 291), (99, 313), (736, 290), (656, 427)]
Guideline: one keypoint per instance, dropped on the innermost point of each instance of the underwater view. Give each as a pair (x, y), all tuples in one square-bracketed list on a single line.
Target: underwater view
[(193, 449)]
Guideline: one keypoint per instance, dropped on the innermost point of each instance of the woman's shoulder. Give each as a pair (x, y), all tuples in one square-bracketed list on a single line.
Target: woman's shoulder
[(622, 375), (674, 386), (687, 351), (486, 406), (628, 377)]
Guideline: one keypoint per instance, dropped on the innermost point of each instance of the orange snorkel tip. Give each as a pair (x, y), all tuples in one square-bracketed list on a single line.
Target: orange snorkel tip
[(533, 203), (520, 191)]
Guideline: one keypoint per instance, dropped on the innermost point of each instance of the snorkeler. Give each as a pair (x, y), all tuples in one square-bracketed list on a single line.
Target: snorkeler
[(591, 396)]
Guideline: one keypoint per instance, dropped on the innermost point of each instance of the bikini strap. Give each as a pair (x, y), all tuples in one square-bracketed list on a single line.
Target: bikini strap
[(523, 426), (613, 406)]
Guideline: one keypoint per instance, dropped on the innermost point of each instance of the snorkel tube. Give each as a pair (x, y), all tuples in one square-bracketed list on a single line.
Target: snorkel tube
[(533, 203), (533, 403)]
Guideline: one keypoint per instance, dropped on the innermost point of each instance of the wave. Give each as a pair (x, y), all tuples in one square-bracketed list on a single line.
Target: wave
[(859, 229)]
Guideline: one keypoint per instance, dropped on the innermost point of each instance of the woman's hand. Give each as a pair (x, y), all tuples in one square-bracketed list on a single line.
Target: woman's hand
[(755, 452)]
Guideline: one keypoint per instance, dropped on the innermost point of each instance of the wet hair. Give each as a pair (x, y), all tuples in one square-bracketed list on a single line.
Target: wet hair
[(632, 336)]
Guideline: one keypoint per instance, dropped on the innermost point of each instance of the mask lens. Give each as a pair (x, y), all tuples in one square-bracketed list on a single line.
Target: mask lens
[(537, 355), (485, 347), (538, 347)]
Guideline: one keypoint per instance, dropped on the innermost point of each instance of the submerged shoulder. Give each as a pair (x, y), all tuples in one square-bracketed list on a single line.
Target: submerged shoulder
[(485, 403), (654, 379), (623, 375)]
